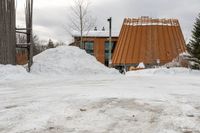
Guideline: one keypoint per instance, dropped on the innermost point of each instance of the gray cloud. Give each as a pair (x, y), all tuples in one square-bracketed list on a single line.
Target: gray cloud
[(50, 18)]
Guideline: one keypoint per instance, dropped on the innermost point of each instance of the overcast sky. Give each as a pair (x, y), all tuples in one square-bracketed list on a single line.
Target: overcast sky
[(51, 16)]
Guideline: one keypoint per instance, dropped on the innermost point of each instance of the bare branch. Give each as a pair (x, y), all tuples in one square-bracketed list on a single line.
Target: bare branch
[(79, 17)]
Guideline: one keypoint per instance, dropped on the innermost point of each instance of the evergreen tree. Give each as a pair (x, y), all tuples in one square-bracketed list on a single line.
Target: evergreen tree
[(194, 44)]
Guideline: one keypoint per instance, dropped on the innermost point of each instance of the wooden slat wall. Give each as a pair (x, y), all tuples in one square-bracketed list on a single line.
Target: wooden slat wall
[(22, 57), (7, 32), (99, 49), (146, 40), (131, 47), (117, 49)]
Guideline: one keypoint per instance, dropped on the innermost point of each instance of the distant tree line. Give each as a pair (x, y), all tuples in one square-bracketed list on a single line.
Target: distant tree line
[(38, 45)]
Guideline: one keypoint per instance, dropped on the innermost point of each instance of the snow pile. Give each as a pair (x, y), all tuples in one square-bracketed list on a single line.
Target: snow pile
[(164, 71), (141, 65), (68, 60), (12, 72)]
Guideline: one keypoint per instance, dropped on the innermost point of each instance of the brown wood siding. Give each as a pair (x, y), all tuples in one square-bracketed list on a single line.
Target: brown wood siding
[(99, 49), (99, 46), (21, 58), (146, 40), (117, 49)]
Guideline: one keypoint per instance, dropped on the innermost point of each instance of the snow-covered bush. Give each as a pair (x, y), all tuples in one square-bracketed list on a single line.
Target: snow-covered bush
[(181, 61)]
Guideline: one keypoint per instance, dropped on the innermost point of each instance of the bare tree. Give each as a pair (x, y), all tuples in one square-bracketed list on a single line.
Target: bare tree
[(80, 20)]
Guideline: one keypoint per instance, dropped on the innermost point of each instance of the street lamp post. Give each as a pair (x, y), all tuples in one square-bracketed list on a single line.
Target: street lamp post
[(110, 41)]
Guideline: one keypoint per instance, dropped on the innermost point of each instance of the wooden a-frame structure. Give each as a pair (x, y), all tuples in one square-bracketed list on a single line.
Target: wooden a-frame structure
[(150, 41)]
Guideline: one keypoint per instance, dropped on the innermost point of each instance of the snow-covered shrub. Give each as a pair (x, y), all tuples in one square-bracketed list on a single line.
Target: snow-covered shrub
[(181, 61)]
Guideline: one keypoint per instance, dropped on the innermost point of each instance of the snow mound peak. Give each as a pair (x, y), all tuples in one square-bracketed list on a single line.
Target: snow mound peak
[(68, 60)]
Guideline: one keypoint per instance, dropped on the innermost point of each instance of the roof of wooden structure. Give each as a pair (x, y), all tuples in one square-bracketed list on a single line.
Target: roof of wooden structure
[(148, 40)]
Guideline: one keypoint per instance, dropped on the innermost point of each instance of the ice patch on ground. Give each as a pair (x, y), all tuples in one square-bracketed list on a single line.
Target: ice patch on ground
[(68, 60)]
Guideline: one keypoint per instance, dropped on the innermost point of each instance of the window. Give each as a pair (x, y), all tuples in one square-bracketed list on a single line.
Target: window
[(107, 47), (89, 47)]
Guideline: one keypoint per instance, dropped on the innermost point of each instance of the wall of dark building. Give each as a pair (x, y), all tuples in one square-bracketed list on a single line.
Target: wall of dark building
[(7, 32)]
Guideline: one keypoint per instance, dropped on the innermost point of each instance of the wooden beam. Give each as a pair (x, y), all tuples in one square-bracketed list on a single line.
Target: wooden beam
[(23, 28), (20, 32)]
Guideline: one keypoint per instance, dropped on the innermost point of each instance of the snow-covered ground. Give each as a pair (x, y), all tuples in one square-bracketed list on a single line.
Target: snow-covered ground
[(146, 101)]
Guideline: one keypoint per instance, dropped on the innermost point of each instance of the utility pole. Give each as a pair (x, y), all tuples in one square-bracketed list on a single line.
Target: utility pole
[(28, 32), (110, 41), (29, 26)]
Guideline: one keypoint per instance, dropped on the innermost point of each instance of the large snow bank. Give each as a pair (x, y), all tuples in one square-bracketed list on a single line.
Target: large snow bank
[(165, 71), (68, 60), (12, 72)]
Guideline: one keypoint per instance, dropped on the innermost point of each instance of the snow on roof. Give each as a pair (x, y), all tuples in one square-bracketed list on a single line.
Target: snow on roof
[(143, 21), (95, 34)]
